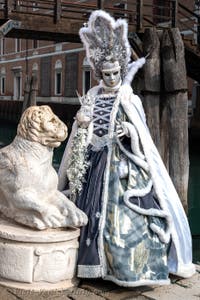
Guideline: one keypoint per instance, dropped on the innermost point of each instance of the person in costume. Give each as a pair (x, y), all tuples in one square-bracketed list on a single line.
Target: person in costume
[(137, 231)]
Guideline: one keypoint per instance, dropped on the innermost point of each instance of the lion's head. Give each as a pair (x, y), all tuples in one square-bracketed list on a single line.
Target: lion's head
[(40, 124)]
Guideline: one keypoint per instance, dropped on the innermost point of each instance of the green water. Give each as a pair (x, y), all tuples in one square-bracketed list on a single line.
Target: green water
[(194, 193), (8, 132), (194, 196)]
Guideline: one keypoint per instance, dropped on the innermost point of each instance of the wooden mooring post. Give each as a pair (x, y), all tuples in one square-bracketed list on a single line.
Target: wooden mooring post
[(176, 104), (30, 92), (152, 78), (166, 103)]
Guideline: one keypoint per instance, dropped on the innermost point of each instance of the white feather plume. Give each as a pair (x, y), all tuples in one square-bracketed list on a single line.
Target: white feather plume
[(132, 70)]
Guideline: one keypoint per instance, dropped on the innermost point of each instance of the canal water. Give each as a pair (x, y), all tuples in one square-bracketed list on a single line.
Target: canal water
[(194, 194), (8, 132)]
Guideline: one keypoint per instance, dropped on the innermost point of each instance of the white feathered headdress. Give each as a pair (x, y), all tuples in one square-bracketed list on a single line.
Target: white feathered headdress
[(106, 40)]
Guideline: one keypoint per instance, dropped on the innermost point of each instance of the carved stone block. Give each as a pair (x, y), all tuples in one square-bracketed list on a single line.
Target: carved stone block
[(29, 256)]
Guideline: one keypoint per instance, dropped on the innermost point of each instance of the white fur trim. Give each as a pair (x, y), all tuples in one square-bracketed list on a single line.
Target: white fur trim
[(140, 282), (88, 271), (137, 160), (132, 133), (132, 70), (163, 236), (186, 270), (164, 189), (113, 24), (62, 172)]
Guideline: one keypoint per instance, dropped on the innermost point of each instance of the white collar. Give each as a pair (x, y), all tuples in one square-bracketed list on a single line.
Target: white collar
[(109, 89)]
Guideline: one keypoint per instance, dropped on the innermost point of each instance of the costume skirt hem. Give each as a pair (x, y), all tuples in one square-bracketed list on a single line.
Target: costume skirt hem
[(185, 270), (89, 271), (140, 282), (95, 271)]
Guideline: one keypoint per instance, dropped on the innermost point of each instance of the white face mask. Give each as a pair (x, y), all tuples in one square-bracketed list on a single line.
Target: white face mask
[(111, 74)]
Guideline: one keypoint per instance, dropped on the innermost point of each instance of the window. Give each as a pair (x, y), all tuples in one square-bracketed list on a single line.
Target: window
[(2, 46), (86, 76), (87, 81), (17, 94), (2, 81), (58, 46), (3, 84), (17, 45), (58, 83), (45, 76), (58, 77), (35, 69), (18, 87), (71, 74), (35, 44)]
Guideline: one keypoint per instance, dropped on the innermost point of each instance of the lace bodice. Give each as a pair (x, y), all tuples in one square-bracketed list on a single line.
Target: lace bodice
[(101, 114)]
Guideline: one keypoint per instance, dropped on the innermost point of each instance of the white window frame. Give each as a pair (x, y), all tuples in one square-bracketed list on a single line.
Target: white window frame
[(18, 45), (17, 94), (35, 67), (2, 46)]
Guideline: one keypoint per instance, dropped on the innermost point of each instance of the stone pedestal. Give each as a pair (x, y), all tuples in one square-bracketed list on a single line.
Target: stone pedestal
[(32, 259)]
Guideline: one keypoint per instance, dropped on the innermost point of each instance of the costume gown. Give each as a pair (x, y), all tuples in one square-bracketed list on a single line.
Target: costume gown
[(118, 243)]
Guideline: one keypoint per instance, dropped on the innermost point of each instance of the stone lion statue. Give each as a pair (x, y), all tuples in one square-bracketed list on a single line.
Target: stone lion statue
[(28, 182)]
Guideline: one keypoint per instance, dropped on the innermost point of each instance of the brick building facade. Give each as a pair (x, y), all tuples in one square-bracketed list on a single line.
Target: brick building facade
[(61, 69)]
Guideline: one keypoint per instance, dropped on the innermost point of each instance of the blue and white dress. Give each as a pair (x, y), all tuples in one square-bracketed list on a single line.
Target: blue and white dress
[(128, 238)]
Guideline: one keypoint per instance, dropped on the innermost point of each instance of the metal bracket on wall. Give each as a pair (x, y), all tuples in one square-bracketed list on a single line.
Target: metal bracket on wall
[(8, 26)]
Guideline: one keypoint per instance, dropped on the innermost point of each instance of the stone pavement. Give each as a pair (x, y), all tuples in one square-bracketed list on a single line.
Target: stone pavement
[(183, 289)]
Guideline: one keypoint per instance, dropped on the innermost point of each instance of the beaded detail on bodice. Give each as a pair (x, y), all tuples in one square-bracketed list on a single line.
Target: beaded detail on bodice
[(101, 113)]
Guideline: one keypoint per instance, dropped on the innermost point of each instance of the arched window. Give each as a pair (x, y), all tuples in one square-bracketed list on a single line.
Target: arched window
[(58, 77), (35, 68), (86, 76)]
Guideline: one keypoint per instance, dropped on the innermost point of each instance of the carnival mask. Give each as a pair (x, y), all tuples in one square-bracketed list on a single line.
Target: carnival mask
[(111, 73)]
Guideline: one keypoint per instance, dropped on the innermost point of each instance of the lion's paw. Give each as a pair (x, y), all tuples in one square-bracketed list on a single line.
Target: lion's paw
[(30, 221), (52, 217), (79, 218), (74, 216)]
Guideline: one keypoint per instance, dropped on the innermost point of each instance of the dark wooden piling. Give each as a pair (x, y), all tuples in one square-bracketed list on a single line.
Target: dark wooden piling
[(151, 91), (175, 110), (30, 92), (33, 90), (26, 94), (166, 103)]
